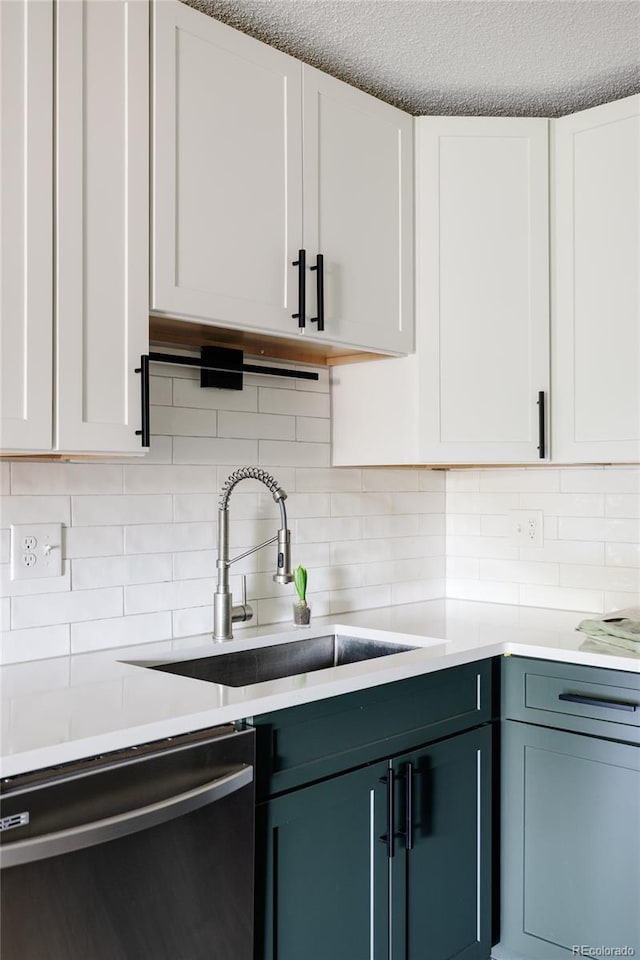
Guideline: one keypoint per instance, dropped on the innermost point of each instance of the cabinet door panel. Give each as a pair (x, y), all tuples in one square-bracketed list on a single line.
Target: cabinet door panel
[(595, 285), (358, 212), (227, 141), (441, 887), (571, 834), (102, 222), (482, 275), (26, 209), (322, 871)]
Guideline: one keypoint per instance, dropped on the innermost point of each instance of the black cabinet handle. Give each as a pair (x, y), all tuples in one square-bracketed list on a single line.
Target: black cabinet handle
[(408, 807), (143, 370), (542, 443), (596, 702), (319, 268), (388, 837), (301, 264)]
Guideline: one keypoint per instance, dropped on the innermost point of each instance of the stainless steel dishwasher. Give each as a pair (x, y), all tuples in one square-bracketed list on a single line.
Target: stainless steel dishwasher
[(142, 854)]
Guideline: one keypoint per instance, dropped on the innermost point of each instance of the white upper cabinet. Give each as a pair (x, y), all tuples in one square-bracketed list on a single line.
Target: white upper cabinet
[(227, 174), (482, 320), (596, 290), (75, 99), (358, 212), (26, 210), (237, 128), (102, 222), (482, 287)]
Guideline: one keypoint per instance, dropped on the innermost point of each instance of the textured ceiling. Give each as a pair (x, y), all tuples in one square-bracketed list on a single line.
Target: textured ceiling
[(492, 57)]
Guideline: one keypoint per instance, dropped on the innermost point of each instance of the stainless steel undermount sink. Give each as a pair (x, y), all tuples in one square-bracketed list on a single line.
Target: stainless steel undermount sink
[(258, 664)]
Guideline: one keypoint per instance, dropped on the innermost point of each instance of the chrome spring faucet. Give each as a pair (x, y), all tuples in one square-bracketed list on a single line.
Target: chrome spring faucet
[(225, 612)]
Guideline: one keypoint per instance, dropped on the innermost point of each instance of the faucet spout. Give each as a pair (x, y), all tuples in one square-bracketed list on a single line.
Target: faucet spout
[(225, 613)]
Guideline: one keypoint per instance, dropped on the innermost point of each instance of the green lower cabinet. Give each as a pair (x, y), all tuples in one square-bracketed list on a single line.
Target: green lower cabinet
[(330, 886), (322, 871), (441, 903), (571, 844)]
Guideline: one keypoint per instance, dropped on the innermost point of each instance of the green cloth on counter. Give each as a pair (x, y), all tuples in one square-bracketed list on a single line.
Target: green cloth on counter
[(615, 631)]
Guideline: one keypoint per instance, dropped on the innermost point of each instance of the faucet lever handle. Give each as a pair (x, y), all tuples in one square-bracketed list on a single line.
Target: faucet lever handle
[(244, 591)]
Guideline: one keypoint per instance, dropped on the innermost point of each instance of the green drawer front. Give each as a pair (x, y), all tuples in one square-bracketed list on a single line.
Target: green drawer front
[(305, 743), (589, 700)]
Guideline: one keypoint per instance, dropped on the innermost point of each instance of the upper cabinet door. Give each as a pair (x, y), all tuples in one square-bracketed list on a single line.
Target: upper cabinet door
[(358, 213), (26, 209), (102, 222), (227, 174), (482, 287), (596, 294)]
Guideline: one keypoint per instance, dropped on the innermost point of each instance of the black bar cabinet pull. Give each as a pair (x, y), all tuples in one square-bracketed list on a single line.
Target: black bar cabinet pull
[(388, 838), (301, 264), (408, 809), (596, 702), (319, 267), (541, 426), (143, 370)]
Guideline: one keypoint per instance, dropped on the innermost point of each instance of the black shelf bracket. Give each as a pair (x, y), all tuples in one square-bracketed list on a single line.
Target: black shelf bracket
[(223, 367)]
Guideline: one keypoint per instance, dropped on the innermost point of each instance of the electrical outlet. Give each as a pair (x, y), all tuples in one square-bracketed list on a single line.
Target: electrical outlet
[(526, 528), (36, 551)]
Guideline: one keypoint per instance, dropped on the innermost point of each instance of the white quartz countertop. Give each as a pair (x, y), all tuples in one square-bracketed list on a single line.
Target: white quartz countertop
[(67, 708)]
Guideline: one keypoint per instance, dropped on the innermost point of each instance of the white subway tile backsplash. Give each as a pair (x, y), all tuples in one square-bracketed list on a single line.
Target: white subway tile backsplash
[(161, 390), (622, 505), (93, 542), (564, 598), (313, 430), (34, 510), (293, 453), (335, 480), (626, 579), (53, 608), (620, 531), (154, 597), (520, 481), (144, 479), (5, 478), (183, 422), (600, 480), (377, 479), (361, 504), (64, 478), (169, 537), (119, 571), (206, 451), (5, 546), (564, 504), (622, 554), (255, 426), (119, 631), (139, 536), (36, 643), (23, 588), (519, 571), (304, 404), (328, 529), (90, 511)]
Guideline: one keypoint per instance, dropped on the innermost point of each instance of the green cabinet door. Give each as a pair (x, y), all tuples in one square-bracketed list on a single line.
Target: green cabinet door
[(571, 844), (321, 883), (441, 876)]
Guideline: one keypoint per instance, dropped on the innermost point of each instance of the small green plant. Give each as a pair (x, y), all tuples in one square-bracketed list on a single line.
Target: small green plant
[(300, 581)]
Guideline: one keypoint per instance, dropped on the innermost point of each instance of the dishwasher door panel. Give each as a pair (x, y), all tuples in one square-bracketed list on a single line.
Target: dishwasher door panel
[(179, 890)]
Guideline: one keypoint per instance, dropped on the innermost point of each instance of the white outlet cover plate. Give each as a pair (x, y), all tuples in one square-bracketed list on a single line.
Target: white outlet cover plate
[(47, 551), (526, 528)]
